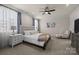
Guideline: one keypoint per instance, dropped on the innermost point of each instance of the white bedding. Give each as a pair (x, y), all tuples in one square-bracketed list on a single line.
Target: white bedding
[(34, 39)]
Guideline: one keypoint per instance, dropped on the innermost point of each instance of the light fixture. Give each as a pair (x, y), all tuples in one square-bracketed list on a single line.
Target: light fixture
[(47, 10), (13, 28)]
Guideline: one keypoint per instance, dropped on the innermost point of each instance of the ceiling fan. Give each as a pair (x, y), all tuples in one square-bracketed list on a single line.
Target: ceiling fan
[(47, 10)]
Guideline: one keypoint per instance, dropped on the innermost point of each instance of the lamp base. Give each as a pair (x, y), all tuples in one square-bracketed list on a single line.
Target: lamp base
[(13, 32)]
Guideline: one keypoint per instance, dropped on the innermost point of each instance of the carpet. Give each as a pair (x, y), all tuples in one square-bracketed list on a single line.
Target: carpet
[(54, 47)]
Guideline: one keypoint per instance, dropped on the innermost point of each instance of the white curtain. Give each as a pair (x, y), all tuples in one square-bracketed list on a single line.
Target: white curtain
[(8, 18), (36, 24)]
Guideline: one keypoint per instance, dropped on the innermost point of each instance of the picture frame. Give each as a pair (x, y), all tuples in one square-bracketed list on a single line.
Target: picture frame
[(48, 25), (51, 25)]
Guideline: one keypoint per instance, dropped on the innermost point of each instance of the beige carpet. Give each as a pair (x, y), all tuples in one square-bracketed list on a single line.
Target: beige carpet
[(54, 47)]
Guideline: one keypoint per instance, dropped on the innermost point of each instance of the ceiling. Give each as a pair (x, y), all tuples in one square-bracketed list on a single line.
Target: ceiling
[(34, 9)]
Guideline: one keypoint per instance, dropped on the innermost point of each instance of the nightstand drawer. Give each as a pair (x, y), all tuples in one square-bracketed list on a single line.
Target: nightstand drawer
[(15, 39)]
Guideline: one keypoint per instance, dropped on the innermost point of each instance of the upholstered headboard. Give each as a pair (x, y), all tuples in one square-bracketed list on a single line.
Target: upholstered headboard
[(28, 28)]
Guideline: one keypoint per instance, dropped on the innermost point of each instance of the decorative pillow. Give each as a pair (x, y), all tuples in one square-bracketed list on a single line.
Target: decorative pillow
[(30, 32), (27, 33), (43, 37)]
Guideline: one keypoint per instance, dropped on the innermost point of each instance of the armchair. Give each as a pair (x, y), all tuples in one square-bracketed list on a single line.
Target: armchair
[(65, 35)]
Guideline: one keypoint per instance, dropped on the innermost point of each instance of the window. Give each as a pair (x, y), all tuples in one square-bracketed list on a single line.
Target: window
[(36, 24), (8, 18)]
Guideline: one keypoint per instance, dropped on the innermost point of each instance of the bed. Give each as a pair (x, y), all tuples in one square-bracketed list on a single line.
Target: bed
[(37, 39)]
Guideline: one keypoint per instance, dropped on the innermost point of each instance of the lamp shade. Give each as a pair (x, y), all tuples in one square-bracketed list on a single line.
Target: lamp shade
[(13, 27)]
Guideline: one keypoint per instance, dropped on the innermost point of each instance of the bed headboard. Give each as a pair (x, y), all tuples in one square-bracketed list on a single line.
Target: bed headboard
[(25, 28), (28, 30)]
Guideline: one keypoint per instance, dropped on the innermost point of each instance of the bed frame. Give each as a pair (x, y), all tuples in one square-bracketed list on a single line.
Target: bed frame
[(32, 28), (45, 44)]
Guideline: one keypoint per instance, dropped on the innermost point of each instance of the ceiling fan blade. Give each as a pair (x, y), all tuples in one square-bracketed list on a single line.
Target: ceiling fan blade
[(49, 13), (43, 13), (52, 10), (46, 9)]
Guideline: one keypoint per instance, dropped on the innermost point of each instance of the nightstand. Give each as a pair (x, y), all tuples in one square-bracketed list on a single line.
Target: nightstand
[(15, 39)]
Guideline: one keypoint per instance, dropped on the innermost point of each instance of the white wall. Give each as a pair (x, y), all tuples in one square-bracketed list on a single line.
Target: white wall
[(60, 16), (26, 20), (74, 15), (62, 24)]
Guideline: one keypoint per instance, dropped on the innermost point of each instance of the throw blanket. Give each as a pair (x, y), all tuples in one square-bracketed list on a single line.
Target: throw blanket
[(43, 37)]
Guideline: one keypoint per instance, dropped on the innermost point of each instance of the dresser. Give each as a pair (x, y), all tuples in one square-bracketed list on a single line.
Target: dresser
[(75, 41), (15, 39)]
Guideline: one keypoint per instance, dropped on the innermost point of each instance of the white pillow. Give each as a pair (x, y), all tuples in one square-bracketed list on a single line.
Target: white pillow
[(27, 33), (30, 32), (67, 32)]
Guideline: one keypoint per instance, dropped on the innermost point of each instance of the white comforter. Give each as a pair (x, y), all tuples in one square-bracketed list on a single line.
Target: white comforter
[(34, 39)]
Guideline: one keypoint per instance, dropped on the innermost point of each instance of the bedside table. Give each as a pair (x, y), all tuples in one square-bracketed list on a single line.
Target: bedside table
[(15, 39)]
